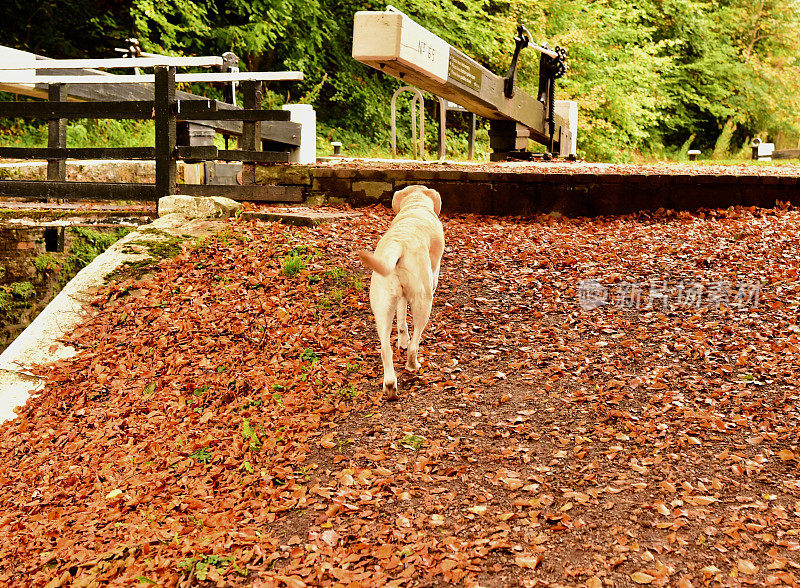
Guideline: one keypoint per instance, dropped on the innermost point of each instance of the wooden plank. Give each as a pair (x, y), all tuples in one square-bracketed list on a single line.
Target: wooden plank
[(183, 152), (249, 115), (184, 108), (255, 76), (786, 154), (242, 76), (117, 92), (252, 193), (112, 62), (165, 123), (36, 189), (205, 152), (253, 156), (276, 127), (137, 109), (129, 92), (251, 100), (287, 133), (78, 152)]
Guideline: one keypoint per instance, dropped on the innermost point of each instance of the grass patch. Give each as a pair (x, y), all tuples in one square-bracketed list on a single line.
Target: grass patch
[(309, 355), (293, 265), (296, 260), (349, 392), (203, 455)]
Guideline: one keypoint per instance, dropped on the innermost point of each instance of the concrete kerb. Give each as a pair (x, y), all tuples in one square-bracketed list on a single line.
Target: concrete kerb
[(39, 343)]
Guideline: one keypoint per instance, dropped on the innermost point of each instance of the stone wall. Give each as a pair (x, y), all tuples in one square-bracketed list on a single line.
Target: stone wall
[(514, 193), (36, 260)]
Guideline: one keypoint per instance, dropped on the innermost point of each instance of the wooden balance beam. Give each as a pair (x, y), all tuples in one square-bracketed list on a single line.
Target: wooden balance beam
[(391, 42)]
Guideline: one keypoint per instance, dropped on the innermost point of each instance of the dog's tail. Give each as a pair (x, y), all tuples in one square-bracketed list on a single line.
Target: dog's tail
[(383, 266)]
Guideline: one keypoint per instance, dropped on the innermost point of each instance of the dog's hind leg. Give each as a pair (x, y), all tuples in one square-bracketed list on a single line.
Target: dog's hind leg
[(384, 310), (402, 323), (421, 311)]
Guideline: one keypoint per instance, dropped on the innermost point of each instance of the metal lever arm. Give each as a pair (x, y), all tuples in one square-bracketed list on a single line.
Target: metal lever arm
[(522, 40)]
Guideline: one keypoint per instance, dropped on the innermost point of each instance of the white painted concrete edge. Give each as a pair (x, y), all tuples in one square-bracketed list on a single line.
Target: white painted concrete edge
[(39, 343)]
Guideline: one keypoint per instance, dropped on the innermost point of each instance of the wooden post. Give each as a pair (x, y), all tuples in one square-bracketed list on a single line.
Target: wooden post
[(56, 136), (251, 130), (166, 122)]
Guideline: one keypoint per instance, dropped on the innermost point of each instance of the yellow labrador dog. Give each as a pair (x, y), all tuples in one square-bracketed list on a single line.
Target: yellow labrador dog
[(405, 271)]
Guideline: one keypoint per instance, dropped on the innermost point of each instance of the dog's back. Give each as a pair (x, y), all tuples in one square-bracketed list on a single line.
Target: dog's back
[(415, 235)]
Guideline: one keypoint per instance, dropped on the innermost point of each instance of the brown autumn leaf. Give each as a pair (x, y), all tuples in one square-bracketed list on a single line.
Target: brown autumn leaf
[(512, 483), (701, 500), (642, 578), (384, 551), (528, 561), (746, 567)]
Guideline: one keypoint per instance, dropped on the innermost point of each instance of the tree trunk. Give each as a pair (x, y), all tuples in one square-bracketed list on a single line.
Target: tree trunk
[(724, 140)]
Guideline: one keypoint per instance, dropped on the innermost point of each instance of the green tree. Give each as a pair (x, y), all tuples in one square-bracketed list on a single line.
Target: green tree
[(647, 74), (64, 28), (735, 65), (615, 70)]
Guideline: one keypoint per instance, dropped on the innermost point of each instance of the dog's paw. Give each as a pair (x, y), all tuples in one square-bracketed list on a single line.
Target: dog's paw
[(390, 390), (412, 367), (402, 341)]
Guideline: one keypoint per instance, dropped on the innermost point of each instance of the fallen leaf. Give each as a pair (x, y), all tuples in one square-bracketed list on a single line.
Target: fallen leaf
[(747, 567), (528, 561), (384, 551), (642, 578)]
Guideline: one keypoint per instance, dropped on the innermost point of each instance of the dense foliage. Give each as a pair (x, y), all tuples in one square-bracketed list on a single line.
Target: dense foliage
[(650, 76)]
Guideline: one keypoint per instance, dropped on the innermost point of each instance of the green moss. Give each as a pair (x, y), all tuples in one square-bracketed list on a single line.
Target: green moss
[(39, 215), (293, 264), (166, 246), (8, 173), (46, 262), (133, 269), (15, 296), (22, 290), (93, 243), (87, 244)]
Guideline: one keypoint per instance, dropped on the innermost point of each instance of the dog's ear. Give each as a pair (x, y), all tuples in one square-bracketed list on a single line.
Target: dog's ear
[(397, 199), (437, 199)]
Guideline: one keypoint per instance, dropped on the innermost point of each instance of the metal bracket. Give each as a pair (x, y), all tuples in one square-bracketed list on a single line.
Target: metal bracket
[(552, 66)]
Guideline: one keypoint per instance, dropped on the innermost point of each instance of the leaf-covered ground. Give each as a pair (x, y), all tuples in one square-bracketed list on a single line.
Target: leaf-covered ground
[(222, 423)]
